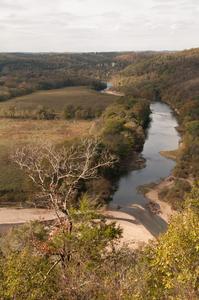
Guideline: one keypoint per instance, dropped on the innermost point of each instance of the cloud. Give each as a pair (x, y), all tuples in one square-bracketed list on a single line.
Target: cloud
[(90, 25), (10, 5), (162, 5)]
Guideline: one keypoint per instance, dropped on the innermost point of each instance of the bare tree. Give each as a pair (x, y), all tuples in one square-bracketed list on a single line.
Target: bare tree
[(58, 172)]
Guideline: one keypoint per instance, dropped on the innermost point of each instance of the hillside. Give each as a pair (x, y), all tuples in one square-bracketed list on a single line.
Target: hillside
[(24, 73), (172, 78), (168, 76)]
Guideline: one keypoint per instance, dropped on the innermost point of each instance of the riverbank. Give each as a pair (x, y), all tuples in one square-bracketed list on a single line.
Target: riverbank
[(11, 217), (112, 92), (144, 216), (134, 233), (136, 220), (156, 205), (135, 226), (141, 218)]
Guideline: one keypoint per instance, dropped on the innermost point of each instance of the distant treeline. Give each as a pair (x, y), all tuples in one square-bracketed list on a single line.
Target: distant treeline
[(21, 74), (13, 88)]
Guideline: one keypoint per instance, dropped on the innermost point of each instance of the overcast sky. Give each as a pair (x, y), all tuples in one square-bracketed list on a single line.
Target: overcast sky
[(98, 25)]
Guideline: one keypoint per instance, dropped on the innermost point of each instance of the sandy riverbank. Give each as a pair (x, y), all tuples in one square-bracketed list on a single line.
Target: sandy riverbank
[(10, 217), (135, 233), (139, 223), (165, 210), (111, 92)]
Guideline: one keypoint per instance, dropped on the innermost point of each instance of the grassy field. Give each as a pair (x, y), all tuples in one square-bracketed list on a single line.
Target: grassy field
[(17, 131), (58, 99), (14, 187)]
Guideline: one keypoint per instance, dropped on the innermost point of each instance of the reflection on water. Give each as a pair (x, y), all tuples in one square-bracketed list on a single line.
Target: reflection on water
[(162, 135)]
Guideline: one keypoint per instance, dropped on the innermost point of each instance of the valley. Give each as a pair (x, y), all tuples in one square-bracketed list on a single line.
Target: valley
[(99, 167)]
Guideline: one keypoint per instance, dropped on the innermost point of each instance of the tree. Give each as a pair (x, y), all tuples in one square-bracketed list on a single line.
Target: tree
[(44, 262), (59, 173), (98, 85), (171, 264)]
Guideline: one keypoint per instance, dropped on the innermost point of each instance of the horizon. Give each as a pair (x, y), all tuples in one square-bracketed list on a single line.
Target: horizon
[(96, 52)]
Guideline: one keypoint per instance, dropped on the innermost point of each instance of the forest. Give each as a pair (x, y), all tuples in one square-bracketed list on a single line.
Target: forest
[(21, 74), (63, 145)]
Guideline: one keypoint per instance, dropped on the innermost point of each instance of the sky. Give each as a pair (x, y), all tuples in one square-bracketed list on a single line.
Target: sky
[(98, 25)]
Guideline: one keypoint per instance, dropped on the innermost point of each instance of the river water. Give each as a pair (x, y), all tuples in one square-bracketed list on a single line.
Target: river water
[(161, 135)]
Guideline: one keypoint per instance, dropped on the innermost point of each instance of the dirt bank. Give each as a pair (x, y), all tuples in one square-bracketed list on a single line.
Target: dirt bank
[(135, 233), (164, 208), (141, 224), (111, 92), (10, 217)]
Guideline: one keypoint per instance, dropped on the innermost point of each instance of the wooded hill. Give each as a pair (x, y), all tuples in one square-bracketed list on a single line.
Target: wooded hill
[(22, 73), (172, 78)]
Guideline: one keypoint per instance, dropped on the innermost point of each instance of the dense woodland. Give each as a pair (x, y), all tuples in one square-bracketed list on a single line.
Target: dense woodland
[(22, 74), (78, 256)]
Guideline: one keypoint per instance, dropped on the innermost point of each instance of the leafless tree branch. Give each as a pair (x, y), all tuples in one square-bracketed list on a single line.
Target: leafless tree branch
[(58, 172)]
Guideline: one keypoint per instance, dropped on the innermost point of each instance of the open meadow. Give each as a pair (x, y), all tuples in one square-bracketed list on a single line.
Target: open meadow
[(16, 131), (57, 100), (13, 133)]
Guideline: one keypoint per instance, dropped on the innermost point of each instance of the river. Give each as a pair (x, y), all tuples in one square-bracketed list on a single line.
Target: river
[(161, 135), (134, 217)]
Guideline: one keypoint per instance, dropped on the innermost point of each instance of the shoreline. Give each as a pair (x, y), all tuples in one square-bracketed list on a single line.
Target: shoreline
[(135, 232), (165, 210), (112, 92), (139, 223), (12, 217)]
